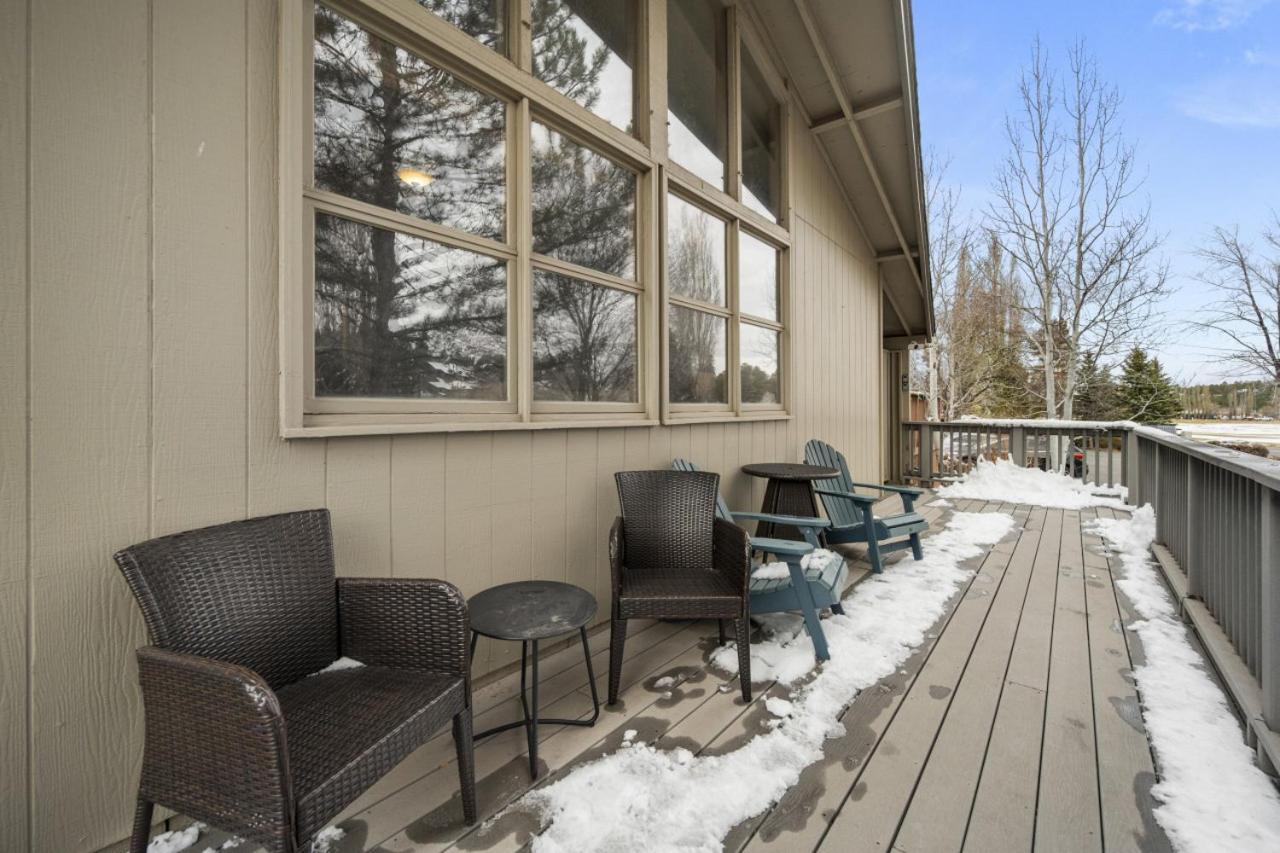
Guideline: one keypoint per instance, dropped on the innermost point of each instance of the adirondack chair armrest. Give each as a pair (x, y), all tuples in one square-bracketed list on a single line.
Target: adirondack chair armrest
[(864, 500), (791, 520), (885, 487)]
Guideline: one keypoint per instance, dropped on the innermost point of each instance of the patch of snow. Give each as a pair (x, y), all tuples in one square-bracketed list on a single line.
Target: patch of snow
[(1002, 480), (817, 558), (941, 502), (629, 735), (784, 654), (772, 572), (664, 682), (1212, 796), (176, 840), (338, 665), (326, 838), (642, 798), (778, 706)]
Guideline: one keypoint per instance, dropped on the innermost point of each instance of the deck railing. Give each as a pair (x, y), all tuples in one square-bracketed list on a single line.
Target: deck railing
[(1217, 540)]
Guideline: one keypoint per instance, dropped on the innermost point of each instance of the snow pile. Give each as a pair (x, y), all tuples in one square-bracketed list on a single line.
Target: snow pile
[(784, 654), (1004, 481), (175, 840), (817, 558), (771, 572), (326, 838), (642, 798), (1212, 796), (339, 664)]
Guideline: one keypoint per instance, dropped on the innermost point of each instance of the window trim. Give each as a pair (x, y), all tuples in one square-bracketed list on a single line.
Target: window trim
[(509, 77)]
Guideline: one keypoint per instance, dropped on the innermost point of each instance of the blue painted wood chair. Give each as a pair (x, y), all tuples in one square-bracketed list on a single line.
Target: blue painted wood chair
[(808, 589), (852, 515)]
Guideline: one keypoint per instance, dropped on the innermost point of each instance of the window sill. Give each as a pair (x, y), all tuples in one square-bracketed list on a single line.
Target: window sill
[(334, 428), (676, 418)]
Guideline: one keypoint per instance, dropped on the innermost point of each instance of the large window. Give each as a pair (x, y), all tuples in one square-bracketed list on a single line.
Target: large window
[(472, 250)]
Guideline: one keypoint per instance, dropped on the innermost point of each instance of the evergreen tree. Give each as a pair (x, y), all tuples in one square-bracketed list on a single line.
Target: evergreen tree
[(1096, 391), (1146, 394)]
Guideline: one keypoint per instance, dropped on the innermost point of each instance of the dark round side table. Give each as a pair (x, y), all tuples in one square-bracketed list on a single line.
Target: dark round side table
[(529, 611), (789, 492)]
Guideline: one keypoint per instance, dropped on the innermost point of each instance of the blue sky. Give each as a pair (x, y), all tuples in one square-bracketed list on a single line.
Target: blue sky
[(1201, 87)]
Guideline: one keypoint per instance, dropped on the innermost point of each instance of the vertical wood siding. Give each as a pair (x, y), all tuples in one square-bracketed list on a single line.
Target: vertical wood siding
[(147, 285)]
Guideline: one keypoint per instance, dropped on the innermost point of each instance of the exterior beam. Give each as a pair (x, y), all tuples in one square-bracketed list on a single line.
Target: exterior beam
[(861, 114)]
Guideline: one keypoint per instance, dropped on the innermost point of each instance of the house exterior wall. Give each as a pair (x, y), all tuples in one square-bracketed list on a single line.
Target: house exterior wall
[(138, 368)]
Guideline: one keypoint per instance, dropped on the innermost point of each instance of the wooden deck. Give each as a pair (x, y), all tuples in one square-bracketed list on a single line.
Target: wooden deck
[(1016, 727)]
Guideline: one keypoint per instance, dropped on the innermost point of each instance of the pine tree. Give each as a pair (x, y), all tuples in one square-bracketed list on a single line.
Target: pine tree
[(1096, 391), (1146, 394)]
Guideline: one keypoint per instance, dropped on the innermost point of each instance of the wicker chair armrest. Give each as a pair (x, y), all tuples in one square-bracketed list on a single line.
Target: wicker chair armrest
[(215, 743), (409, 623), (731, 553), (617, 554)]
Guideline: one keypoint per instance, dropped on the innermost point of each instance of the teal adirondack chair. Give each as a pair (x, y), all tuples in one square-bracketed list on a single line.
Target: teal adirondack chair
[(806, 590), (852, 515)]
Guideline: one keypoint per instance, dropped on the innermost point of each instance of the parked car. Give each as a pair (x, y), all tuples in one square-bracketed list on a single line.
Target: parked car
[(1074, 462)]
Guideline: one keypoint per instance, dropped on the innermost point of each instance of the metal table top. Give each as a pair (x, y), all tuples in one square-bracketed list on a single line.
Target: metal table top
[(530, 610)]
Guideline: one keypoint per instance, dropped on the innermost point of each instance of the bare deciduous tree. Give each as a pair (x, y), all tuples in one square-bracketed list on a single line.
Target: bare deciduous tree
[(1247, 281), (1066, 209)]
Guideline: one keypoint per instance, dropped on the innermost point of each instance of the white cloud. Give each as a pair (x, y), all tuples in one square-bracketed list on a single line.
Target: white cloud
[(1210, 15), (1233, 100)]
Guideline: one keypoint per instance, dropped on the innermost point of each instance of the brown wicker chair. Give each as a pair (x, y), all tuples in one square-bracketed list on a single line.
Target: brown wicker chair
[(671, 558), (237, 734)]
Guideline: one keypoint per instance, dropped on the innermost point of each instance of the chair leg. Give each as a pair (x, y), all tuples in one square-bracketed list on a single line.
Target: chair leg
[(141, 826), (465, 745), (813, 625), (873, 554), (837, 609), (617, 642), (916, 550), (742, 628), (723, 639)]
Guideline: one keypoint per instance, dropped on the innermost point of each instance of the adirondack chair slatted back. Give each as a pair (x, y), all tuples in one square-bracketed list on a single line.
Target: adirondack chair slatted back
[(842, 511), (722, 508)]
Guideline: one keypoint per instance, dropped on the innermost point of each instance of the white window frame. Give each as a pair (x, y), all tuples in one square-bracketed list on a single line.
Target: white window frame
[(509, 77)]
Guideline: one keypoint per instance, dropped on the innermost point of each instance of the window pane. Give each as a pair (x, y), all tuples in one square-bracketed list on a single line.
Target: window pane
[(761, 160), (394, 131), (759, 350), (482, 19), (758, 277), (696, 357), (584, 205), (584, 340), (695, 252), (587, 49), (400, 316), (697, 77)]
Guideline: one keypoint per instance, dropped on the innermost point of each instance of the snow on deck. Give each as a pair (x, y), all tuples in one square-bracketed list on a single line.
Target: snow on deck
[(1004, 718)]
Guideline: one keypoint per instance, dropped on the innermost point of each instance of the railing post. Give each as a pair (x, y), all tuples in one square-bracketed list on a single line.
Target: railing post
[(1018, 446), (1269, 670), (1131, 466), (926, 454), (1195, 503)]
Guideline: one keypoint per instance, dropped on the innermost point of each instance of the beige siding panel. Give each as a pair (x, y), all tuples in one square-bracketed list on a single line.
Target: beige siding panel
[(13, 428), (199, 255), (90, 381), (358, 493), (281, 475), (418, 531)]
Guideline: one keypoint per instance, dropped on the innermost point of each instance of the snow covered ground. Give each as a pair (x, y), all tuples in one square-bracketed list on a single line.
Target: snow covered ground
[(1006, 482), (1257, 432), (641, 798), (1212, 796)]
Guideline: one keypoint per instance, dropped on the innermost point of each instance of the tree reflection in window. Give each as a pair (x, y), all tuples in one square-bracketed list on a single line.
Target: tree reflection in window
[(695, 252), (696, 355), (586, 49), (759, 370), (584, 340), (481, 19), (584, 205), (400, 316), (399, 133)]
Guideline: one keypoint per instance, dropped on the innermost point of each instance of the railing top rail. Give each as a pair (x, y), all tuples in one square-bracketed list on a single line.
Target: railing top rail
[(1259, 469)]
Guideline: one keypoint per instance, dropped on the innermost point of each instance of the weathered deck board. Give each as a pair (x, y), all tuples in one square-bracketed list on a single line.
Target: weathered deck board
[(1014, 727)]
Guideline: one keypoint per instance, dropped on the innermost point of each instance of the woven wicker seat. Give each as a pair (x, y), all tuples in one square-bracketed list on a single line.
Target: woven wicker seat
[(240, 731), (672, 558)]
